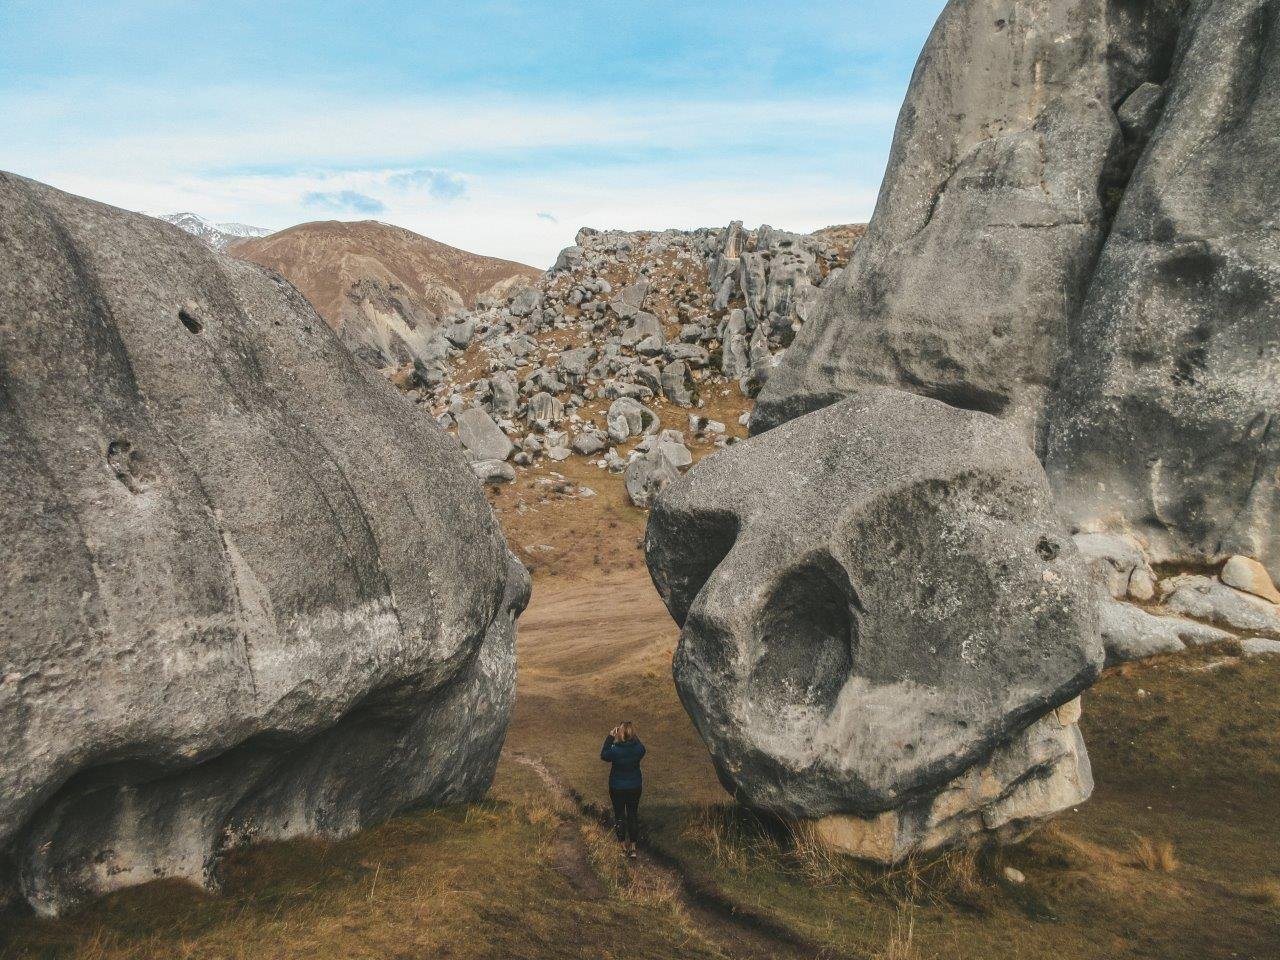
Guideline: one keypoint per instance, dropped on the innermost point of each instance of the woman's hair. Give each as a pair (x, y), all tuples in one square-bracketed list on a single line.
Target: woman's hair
[(627, 729)]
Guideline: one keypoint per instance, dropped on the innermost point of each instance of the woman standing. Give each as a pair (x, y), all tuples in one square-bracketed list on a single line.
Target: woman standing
[(623, 749)]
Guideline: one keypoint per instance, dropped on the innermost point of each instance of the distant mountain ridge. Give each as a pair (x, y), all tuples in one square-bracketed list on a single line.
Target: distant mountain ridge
[(217, 235), (383, 288)]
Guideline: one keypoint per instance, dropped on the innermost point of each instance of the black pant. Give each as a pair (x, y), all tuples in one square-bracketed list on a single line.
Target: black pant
[(626, 812)]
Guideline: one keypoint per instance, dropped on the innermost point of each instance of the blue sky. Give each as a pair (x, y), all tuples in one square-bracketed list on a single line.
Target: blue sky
[(498, 127)]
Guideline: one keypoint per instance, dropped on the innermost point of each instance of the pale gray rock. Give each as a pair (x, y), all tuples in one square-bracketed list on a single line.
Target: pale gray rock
[(568, 259), (700, 426), (628, 418), (692, 354), (880, 612), (670, 445), (651, 347), (482, 437), (1166, 421), (998, 194), (645, 477), (635, 294), (643, 326), (504, 395), (614, 389), (1131, 633), (544, 411), (461, 334), (249, 590), (1118, 564), (589, 442), (541, 380), (735, 356), (493, 471), (677, 384), (1209, 600), (574, 364), (1258, 647)]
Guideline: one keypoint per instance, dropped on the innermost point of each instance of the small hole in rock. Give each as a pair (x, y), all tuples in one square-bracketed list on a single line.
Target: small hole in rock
[(127, 464), (189, 320), (1047, 549)]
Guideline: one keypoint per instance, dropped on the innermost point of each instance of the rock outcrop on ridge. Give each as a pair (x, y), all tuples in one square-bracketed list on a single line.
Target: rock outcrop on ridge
[(627, 334), (385, 289), (1077, 233), (249, 592), (884, 624)]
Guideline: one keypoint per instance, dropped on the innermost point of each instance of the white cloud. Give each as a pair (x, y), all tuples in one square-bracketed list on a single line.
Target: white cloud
[(476, 173)]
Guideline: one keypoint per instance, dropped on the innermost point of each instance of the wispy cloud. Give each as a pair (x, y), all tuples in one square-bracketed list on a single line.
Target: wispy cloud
[(439, 184), (528, 173), (459, 120), (343, 201)]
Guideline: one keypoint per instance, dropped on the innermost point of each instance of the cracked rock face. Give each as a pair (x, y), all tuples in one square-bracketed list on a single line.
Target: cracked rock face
[(1077, 233), (249, 592), (998, 194), (1167, 424), (881, 610)]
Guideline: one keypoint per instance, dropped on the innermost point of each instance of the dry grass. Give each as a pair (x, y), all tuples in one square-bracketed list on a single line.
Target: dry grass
[(469, 883), (901, 942), (642, 886), (740, 842), (540, 812), (1263, 892), (1154, 855)]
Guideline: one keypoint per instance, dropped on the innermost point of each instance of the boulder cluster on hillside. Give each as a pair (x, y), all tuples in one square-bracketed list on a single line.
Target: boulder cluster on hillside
[(574, 364)]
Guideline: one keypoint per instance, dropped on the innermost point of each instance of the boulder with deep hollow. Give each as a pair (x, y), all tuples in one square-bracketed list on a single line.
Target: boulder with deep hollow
[(248, 591), (884, 624)]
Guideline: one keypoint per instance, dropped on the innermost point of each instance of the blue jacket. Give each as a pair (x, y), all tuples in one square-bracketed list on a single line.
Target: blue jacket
[(625, 756)]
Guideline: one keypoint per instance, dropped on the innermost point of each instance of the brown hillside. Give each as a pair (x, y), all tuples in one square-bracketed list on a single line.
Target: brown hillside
[(371, 275)]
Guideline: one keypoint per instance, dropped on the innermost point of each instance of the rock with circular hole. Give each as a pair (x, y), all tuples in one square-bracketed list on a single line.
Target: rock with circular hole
[(249, 590), (880, 612)]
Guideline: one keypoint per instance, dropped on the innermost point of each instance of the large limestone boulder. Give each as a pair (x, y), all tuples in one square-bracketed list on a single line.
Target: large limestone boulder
[(1166, 422), (248, 591), (1002, 178), (881, 614)]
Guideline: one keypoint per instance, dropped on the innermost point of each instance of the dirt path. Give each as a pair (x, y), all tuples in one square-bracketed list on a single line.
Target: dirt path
[(740, 935)]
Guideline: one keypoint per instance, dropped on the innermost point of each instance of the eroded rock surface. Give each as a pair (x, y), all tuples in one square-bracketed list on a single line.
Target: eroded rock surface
[(248, 590), (1166, 421), (878, 599), (1077, 233), (1001, 182)]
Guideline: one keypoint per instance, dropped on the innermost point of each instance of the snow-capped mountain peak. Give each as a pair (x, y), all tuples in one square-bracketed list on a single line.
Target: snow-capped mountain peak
[(217, 235)]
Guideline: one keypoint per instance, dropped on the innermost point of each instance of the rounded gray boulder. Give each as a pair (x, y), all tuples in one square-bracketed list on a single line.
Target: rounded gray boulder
[(249, 591), (881, 612)]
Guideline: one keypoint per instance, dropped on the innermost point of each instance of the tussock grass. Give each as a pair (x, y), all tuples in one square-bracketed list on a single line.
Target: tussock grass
[(1154, 855), (540, 813), (901, 942), (740, 841)]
